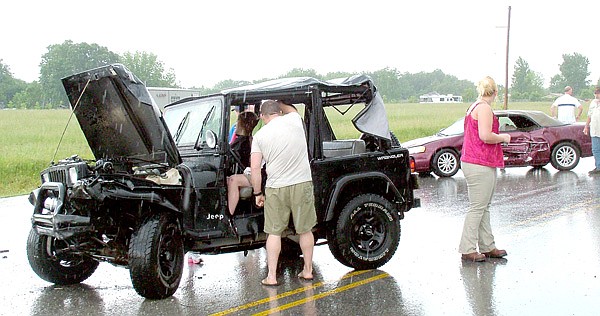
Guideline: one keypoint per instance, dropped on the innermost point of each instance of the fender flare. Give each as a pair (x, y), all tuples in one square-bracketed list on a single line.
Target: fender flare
[(341, 183)]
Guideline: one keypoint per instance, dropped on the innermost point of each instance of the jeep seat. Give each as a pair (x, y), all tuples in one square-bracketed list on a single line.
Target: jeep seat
[(343, 147)]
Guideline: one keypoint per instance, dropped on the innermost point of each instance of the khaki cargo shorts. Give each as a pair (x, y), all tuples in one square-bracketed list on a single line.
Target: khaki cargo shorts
[(297, 200)]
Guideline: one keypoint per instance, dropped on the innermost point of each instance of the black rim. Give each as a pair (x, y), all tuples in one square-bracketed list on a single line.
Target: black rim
[(369, 230), (167, 252)]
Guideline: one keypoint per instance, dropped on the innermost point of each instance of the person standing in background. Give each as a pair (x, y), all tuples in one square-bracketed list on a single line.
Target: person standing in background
[(592, 128), (564, 106), (481, 156)]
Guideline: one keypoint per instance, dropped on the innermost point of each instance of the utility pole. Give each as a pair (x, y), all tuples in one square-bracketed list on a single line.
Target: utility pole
[(506, 69)]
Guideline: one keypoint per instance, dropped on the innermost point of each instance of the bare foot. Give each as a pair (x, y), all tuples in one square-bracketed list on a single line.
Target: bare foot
[(307, 276)]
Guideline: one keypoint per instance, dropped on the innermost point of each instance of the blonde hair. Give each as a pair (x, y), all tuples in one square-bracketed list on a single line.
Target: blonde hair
[(486, 87)]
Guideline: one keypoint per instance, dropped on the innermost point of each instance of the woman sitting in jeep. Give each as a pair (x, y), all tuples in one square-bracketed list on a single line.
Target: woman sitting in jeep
[(240, 147)]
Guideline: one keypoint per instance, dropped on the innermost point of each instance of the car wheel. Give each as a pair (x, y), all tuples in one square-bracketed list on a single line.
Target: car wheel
[(565, 156), (50, 262), (366, 234), (156, 257), (445, 163)]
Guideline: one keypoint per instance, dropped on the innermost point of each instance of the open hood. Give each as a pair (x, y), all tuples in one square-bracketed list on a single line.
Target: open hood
[(119, 118)]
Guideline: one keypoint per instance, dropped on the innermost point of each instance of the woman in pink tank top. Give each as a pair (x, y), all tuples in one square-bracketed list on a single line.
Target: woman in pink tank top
[(481, 156)]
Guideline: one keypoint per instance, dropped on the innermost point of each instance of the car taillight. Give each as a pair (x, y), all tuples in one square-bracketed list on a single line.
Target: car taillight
[(412, 164)]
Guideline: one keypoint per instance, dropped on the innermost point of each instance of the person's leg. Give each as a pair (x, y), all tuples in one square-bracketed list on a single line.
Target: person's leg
[(307, 244), (273, 249), (478, 184), (486, 238), (302, 200), (276, 221), (596, 151), (234, 183)]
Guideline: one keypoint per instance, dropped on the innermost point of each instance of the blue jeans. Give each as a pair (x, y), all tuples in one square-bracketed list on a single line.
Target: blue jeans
[(596, 150)]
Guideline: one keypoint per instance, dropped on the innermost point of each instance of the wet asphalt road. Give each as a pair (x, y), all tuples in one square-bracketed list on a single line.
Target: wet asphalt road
[(548, 221)]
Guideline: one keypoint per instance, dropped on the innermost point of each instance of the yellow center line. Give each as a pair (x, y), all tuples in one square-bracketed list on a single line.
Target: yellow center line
[(286, 294), (322, 295)]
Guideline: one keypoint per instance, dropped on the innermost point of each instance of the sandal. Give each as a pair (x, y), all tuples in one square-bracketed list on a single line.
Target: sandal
[(264, 282)]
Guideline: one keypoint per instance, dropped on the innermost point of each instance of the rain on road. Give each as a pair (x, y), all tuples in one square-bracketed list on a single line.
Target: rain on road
[(548, 221)]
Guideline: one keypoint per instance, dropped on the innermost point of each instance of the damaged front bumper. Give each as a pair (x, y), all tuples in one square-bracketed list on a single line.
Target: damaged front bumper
[(49, 215)]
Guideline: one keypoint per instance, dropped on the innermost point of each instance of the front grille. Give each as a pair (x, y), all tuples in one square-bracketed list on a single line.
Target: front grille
[(58, 176), (60, 172)]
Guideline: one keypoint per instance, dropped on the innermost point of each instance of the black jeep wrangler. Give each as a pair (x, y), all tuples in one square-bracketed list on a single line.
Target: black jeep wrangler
[(157, 187)]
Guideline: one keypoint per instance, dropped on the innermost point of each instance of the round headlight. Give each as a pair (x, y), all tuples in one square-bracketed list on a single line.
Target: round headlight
[(50, 203), (73, 175)]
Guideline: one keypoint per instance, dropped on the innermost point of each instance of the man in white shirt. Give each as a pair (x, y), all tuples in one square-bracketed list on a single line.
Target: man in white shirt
[(566, 104), (281, 143)]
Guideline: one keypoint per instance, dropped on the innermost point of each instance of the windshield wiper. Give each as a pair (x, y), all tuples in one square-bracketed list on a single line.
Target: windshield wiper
[(180, 128), (197, 144)]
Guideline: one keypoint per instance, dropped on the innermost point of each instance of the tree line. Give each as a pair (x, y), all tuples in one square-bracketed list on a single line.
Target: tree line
[(68, 58)]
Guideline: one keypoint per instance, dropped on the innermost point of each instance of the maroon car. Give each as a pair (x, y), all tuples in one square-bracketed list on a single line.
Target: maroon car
[(536, 140)]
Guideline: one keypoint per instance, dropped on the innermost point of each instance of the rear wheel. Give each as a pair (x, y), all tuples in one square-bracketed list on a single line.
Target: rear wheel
[(52, 260), (367, 232), (565, 156), (156, 257), (445, 163)]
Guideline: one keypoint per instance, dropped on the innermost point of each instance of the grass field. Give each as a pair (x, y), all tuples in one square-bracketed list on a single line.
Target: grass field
[(30, 138)]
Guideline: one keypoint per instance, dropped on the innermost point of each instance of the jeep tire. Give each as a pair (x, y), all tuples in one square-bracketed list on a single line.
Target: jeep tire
[(367, 232), (156, 257), (43, 253)]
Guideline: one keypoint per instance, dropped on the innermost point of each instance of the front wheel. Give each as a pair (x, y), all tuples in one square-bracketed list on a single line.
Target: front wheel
[(156, 257), (565, 156), (52, 260), (367, 232), (445, 163)]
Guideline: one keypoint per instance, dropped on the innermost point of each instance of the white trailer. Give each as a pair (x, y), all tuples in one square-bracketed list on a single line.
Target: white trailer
[(164, 96)]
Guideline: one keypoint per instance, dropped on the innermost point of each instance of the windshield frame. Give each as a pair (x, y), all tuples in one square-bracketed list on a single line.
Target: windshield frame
[(189, 121)]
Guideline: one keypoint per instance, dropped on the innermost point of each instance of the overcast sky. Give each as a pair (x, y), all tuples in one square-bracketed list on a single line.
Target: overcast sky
[(205, 42)]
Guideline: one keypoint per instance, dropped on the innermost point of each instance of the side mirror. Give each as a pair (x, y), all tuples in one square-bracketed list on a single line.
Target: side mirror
[(211, 139)]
